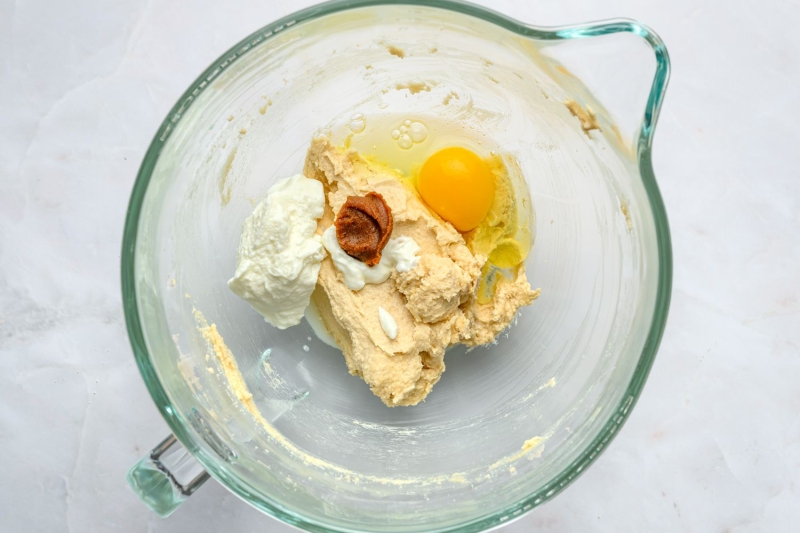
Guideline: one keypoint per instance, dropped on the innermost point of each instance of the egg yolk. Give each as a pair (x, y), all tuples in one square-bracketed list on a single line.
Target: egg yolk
[(458, 186)]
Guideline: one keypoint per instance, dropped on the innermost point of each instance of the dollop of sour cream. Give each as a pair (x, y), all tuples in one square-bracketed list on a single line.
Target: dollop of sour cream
[(388, 323), (400, 253), (279, 256)]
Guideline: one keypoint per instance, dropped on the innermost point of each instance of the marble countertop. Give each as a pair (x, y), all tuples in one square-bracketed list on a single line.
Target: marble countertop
[(712, 445)]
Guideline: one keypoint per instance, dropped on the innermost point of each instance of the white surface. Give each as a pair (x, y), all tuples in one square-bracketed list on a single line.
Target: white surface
[(714, 442)]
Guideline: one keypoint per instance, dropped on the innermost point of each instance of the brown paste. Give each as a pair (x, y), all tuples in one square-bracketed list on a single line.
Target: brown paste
[(363, 227)]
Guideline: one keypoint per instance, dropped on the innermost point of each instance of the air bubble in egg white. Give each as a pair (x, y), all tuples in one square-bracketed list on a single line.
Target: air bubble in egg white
[(418, 132), (405, 142), (358, 123), (406, 122), (357, 127), (403, 129), (395, 134)]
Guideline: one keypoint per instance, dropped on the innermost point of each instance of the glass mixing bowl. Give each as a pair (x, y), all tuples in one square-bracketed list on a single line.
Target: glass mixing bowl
[(509, 425)]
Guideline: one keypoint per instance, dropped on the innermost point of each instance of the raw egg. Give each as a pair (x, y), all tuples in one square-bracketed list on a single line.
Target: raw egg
[(458, 186)]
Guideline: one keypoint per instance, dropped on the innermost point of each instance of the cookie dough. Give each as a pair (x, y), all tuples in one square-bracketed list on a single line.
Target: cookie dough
[(433, 304)]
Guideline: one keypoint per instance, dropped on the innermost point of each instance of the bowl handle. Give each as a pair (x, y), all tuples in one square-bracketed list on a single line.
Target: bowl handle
[(166, 477), (653, 91)]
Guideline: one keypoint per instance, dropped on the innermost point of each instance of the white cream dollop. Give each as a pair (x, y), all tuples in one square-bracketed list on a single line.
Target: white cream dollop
[(278, 260), (388, 323), (399, 253)]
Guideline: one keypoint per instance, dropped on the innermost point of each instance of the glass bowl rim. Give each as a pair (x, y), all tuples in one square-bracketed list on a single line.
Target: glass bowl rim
[(616, 418)]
